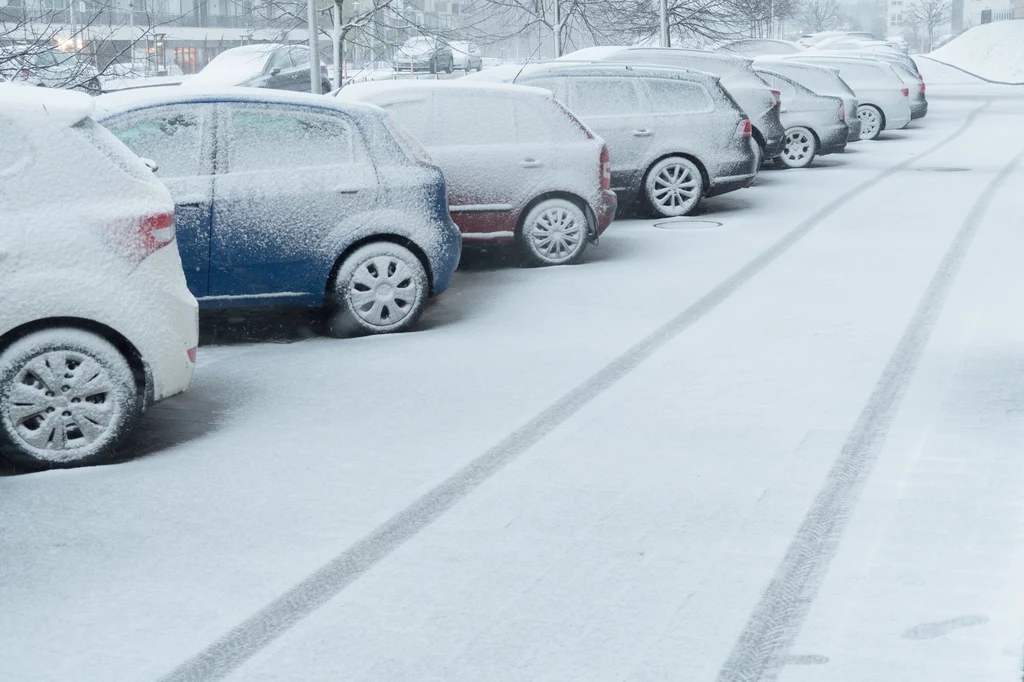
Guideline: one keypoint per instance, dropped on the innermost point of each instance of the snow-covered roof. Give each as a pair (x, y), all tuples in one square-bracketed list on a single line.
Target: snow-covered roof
[(115, 102), (767, 61), (594, 53), (64, 107), (359, 91), (607, 53), (234, 66)]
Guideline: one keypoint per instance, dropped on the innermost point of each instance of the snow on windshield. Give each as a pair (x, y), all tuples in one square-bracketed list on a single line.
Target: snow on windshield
[(232, 67)]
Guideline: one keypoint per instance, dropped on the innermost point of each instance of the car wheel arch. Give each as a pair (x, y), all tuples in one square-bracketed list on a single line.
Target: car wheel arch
[(880, 110), (705, 177), (380, 237), (140, 368), (556, 194), (758, 137)]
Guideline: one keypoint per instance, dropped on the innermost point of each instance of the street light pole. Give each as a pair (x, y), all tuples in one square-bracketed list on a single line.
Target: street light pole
[(314, 50), (664, 23)]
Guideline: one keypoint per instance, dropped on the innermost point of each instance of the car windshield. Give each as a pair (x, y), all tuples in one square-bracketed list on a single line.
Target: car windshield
[(418, 46)]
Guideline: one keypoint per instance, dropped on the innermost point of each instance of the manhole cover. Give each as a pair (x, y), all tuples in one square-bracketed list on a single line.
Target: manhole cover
[(686, 224), (943, 169)]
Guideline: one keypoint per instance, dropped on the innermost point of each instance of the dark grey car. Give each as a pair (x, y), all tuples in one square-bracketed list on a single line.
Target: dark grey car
[(815, 124), (266, 65), (674, 136), (736, 75)]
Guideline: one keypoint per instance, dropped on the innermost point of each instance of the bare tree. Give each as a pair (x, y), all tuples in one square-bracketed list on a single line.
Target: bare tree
[(689, 21), (758, 18), (819, 15), (925, 16)]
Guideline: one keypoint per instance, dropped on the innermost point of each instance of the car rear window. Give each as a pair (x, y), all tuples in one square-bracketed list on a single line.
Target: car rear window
[(103, 140), (471, 119)]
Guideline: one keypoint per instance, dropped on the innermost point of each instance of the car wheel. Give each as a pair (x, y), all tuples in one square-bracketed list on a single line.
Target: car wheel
[(554, 232), (67, 398), (380, 288), (432, 66), (673, 187), (480, 66), (870, 121), (800, 148), (450, 67)]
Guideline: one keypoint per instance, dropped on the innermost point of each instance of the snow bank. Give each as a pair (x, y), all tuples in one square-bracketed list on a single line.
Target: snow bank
[(991, 51)]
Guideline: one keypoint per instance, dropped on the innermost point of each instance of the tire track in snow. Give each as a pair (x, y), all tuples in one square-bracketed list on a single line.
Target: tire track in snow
[(759, 653), (246, 639)]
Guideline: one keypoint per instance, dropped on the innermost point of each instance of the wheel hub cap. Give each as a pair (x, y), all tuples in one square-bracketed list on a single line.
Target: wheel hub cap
[(383, 291), (674, 187), (798, 146), (61, 400), (556, 235)]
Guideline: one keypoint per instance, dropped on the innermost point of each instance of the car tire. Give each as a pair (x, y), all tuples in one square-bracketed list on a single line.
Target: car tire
[(673, 187), (801, 146), (871, 121), (380, 288), (432, 66), (450, 67), (480, 66), (67, 384), (554, 232)]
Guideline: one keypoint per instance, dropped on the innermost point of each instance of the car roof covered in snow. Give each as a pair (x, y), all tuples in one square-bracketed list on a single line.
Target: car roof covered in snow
[(63, 107), (118, 102), (359, 91), (583, 68), (767, 61), (609, 52)]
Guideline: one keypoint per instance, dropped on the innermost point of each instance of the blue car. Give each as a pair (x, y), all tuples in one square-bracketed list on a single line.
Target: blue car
[(292, 199)]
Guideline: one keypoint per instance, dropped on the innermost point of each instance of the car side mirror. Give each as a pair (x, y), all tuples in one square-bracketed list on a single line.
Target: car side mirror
[(151, 164), (276, 70)]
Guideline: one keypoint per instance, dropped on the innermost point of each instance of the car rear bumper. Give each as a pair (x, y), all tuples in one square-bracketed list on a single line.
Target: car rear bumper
[(833, 138), (853, 125), (729, 183), (444, 259), (604, 209), (918, 109)]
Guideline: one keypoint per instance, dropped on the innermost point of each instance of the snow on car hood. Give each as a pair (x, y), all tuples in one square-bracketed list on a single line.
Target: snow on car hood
[(232, 67)]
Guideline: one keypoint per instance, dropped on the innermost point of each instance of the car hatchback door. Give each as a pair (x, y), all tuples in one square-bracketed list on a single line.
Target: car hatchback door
[(286, 178), (615, 109), (179, 139)]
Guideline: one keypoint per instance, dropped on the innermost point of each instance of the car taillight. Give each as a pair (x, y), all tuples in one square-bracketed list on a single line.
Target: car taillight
[(191, 355), (606, 168), (743, 129), (148, 235), (778, 97), (906, 92), (25, 74), (842, 111), (920, 88)]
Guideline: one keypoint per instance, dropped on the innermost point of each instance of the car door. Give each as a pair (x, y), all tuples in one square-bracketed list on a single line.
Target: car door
[(614, 108), (473, 139), (179, 138), (298, 73), (278, 70), (287, 176)]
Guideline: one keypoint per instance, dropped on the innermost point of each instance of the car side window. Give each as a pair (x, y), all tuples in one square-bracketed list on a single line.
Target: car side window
[(300, 57), (472, 119), (170, 136), (413, 115), (541, 120), (671, 96), (603, 96), (262, 138), (555, 85), (279, 59)]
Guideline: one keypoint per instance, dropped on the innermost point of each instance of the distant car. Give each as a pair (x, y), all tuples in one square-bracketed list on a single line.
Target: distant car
[(519, 166), (299, 200), (904, 66), (467, 57), (47, 67), (756, 47), (884, 99), (426, 54), (675, 136), (815, 124), (759, 102), (96, 323), (821, 80), (271, 65), (811, 39)]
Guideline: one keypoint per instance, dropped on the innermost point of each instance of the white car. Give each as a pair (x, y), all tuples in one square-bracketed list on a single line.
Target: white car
[(467, 56), (883, 97), (96, 323)]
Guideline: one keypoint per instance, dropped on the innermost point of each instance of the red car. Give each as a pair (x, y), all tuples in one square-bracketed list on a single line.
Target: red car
[(519, 166)]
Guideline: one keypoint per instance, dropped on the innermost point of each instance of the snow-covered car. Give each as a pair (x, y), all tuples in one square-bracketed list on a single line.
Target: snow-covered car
[(821, 80), (883, 97), (97, 323), (675, 136), (271, 65), (424, 53), (467, 56), (296, 199), (760, 103), (904, 66), (815, 124), (47, 67), (520, 168), (812, 39), (756, 47)]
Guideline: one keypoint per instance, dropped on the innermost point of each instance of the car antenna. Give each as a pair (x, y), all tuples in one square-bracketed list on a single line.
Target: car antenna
[(526, 63)]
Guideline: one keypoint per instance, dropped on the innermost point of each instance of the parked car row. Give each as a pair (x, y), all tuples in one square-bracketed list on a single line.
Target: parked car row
[(357, 203)]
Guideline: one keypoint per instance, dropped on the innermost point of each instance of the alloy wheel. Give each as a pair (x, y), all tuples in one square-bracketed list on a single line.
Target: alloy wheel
[(556, 235), (675, 188), (383, 291), (870, 123)]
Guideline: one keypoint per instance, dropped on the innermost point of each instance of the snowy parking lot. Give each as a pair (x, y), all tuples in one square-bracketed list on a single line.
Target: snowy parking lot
[(776, 441)]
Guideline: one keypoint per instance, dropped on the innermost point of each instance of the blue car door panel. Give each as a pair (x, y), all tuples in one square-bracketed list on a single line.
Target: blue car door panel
[(286, 177), (180, 140)]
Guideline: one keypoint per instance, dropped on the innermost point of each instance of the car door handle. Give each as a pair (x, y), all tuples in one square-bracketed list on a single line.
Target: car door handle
[(531, 163), (642, 133), (343, 190), (191, 204)]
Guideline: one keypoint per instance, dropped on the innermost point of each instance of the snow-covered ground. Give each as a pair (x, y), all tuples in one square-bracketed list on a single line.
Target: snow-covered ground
[(783, 448), (993, 51)]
